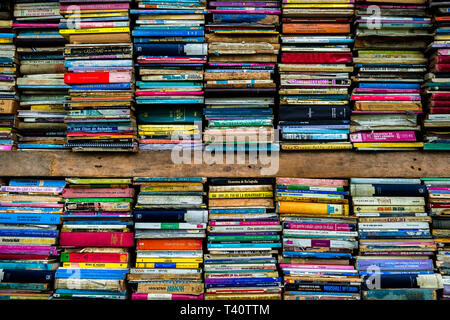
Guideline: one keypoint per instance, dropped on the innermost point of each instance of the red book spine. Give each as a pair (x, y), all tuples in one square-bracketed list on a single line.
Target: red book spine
[(317, 57), (97, 77), (96, 239), (442, 59), (441, 68), (440, 103), (440, 96), (23, 257), (97, 257), (436, 110)]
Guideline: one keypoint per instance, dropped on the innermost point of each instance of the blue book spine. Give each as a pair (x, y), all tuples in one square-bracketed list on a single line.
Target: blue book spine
[(244, 245), (168, 33), (99, 86), (321, 255), (238, 18), (24, 266), (409, 264), (98, 63), (400, 294), (28, 233), (34, 218), (88, 292), (389, 85), (37, 183), (238, 210)]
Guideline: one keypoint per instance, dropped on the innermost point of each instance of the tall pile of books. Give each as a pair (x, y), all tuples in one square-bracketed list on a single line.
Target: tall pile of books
[(95, 236), (315, 75), (390, 65), (439, 209), (243, 240), (100, 73), (437, 81), (170, 221), (8, 72), (41, 82), (170, 49), (239, 89), (30, 212), (319, 240), (395, 248)]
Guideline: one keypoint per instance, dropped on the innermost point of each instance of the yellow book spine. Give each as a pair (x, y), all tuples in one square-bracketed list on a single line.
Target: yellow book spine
[(315, 200), (316, 146), (238, 195), (388, 144), (94, 30), (180, 265), (95, 265), (6, 40), (312, 208), (170, 260), (26, 241), (96, 15)]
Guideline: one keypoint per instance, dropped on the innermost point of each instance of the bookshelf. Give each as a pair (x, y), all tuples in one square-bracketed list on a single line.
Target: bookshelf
[(325, 164)]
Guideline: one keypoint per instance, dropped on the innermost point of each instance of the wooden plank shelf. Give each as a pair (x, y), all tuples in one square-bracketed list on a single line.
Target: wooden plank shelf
[(321, 164)]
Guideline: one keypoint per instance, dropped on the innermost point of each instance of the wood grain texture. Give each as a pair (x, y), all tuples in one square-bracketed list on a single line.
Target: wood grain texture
[(340, 164)]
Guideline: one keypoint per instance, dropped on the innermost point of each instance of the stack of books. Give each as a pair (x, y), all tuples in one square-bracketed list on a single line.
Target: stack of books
[(95, 236), (319, 240), (243, 240), (8, 71), (315, 75), (170, 50), (170, 220), (100, 73), (437, 81), (41, 82), (395, 246), (240, 90), (439, 209), (30, 212), (390, 65)]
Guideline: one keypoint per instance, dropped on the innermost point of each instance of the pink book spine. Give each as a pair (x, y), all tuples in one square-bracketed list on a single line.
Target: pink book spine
[(439, 188), (97, 193), (317, 226), (317, 266), (5, 148), (247, 11), (40, 250), (96, 239), (164, 296), (378, 90), (243, 223), (87, 25), (443, 52), (32, 189), (312, 182), (388, 97), (35, 25), (165, 93), (28, 204), (387, 136), (65, 7)]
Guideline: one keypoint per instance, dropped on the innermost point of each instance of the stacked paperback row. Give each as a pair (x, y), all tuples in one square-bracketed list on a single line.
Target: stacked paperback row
[(170, 220), (41, 83), (242, 53), (438, 208), (243, 241), (319, 240), (395, 248), (99, 60), (437, 81), (315, 75), (390, 65), (8, 72), (95, 236), (30, 212), (168, 41)]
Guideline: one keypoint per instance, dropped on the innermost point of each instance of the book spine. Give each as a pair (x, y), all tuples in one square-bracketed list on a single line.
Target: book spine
[(97, 239)]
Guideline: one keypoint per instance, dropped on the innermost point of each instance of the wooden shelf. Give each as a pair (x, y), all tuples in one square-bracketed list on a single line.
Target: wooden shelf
[(322, 164)]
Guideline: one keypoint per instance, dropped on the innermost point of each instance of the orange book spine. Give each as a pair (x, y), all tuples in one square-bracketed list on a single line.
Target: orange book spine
[(316, 28), (174, 244)]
